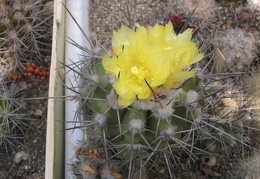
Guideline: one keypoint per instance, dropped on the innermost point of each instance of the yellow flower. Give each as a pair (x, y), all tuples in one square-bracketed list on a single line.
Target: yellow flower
[(147, 58)]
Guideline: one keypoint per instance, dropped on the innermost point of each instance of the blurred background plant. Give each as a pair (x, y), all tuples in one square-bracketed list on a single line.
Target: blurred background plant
[(25, 49), (26, 33), (12, 116)]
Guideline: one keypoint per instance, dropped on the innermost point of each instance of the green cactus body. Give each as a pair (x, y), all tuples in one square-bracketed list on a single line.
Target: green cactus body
[(133, 124), (160, 132), (192, 84), (103, 77), (211, 145), (97, 104), (182, 117)]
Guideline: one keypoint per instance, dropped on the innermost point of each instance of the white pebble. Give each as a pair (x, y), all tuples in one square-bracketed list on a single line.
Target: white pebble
[(19, 156)]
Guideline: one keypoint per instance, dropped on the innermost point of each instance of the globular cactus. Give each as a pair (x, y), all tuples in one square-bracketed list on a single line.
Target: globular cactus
[(25, 36), (237, 47), (255, 7), (252, 90), (244, 16), (25, 28), (12, 117), (146, 103)]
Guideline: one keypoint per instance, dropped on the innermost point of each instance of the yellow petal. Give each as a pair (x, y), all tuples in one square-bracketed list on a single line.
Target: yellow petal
[(143, 92), (123, 89), (121, 36), (122, 102), (109, 65), (185, 36), (175, 79)]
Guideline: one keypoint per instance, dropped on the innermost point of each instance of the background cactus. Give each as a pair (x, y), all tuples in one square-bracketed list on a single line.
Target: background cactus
[(237, 46), (12, 116), (25, 50), (25, 33), (25, 44)]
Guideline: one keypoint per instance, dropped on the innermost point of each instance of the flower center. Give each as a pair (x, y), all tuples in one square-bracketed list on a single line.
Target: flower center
[(134, 70)]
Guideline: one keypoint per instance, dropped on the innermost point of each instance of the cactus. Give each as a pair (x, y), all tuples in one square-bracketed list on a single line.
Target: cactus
[(25, 33), (149, 100), (190, 114), (252, 89), (244, 16), (12, 118), (25, 30), (237, 47)]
